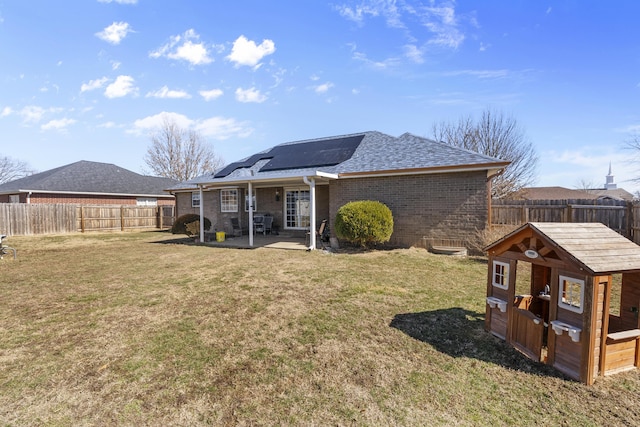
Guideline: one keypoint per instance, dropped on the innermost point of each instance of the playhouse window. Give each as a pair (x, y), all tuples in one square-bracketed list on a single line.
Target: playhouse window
[(229, 200), (571, 295), (500, 274)]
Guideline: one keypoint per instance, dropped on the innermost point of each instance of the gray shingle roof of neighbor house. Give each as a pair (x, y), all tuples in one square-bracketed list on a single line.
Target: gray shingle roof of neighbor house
[(90, 178), (349, 155)]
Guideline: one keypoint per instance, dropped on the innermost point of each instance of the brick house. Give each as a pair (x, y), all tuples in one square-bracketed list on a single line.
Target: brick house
[(436, 192), (89, 183)]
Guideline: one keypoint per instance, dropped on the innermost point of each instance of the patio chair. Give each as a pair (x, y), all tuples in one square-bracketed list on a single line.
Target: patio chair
[(258, 223), (266, 224), (322, 234), (235, 225)]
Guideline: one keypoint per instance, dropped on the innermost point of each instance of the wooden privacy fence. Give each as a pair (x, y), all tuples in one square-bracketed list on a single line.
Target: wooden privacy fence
[(27, 219), (619, 215)]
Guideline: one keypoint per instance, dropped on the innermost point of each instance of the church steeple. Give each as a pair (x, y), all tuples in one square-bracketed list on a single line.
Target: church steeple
[(609, 184)]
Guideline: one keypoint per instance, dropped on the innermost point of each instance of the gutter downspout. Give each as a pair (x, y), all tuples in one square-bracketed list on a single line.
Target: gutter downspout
[(28, 201), (201, 195), (312, 215)]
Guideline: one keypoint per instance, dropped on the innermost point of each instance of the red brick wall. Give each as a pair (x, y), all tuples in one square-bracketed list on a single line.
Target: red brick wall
[(450, 207), (426, 208)]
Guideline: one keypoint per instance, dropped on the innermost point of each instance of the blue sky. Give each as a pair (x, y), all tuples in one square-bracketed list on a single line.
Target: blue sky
[(89, 79)]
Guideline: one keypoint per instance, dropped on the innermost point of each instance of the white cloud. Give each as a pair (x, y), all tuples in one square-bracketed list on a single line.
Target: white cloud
[(93, 84), (376, 65), (123, 86), (438, 17), (61, 124), (165, 92), (223, 128), (323, 88), (32, 114), (151, 123), (570, 167), (115, 65), (209, 95), (185, 47), (115, 32), (6, 111), (359, 13), (216, 127), (414, 53), (246, 52), (250, 95), (442, 22)]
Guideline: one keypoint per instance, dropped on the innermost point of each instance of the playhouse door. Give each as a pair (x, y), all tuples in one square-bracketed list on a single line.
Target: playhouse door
[(526, 333)]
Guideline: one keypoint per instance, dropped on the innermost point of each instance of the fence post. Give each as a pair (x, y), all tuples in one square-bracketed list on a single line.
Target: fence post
[(82, 219), (121, 217)]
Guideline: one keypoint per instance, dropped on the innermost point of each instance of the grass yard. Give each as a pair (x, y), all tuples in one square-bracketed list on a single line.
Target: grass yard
[(131, 329)]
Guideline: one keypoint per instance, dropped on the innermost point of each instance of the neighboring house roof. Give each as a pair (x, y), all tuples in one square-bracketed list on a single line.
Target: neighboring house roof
[(360, 154), (86, 177), (561, 193), (615, 193), (583, 243), (552, 193)]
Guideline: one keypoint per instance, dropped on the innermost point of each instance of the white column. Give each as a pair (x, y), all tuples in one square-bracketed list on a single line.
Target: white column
[(201, 214), (250, 196), (312, 214)]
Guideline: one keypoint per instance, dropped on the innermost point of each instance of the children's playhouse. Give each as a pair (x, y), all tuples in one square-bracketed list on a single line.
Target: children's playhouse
[(575, 306)]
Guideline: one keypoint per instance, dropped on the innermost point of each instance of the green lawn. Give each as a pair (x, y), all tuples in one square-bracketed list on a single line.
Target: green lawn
[(134, 329)]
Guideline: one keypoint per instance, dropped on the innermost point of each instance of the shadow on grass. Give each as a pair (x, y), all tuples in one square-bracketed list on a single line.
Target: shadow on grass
[(460, 333)]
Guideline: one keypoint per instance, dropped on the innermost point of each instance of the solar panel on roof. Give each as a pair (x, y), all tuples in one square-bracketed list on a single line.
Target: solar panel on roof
[(326, 152), (310, 154), (243, 164)]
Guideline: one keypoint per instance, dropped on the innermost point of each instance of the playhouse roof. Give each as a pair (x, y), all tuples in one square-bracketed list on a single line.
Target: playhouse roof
[(593, 247)]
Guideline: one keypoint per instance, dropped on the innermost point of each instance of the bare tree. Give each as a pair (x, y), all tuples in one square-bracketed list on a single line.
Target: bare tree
[(181, 154), (497, 136), (585, 185), (633, 144), (11, 169)]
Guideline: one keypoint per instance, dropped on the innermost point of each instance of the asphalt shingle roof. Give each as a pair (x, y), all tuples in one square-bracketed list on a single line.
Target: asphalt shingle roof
[(376, 152), (91, 177)]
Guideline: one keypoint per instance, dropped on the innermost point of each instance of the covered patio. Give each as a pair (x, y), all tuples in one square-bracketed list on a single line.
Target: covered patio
[(281, 241)]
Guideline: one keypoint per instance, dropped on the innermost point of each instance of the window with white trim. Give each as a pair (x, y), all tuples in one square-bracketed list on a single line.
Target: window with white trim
[(14, 198), (246, 201), (571, 294), (500, 275), (195, 199), (229, 200)]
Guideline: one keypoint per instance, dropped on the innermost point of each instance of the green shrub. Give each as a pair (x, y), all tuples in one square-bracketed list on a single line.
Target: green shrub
[(180, 226), (364, 222)]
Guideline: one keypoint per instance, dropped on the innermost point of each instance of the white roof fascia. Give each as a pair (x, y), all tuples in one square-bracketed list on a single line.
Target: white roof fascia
[(268, 179)]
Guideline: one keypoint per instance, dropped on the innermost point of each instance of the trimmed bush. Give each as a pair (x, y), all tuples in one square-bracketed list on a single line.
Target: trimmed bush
[(364, 222), (180, 226)]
